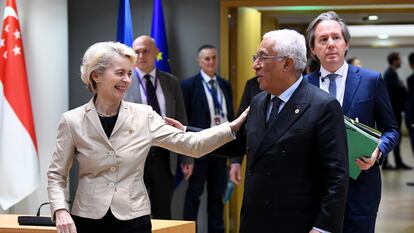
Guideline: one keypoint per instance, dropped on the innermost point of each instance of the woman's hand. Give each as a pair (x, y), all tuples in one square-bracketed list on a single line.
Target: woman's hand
[(237, 123), (174, 123), (64, 222)]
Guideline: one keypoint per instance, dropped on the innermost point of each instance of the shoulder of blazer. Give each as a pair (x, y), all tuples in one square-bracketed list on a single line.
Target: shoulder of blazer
[(224, 81), (83, 108), (259, 97), (191, 81), (365, 74), (165, 75), (313, 78), (133, 107)]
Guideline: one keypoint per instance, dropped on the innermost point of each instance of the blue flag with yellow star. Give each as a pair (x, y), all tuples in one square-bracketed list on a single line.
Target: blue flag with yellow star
[(124, 32), (160, 37)]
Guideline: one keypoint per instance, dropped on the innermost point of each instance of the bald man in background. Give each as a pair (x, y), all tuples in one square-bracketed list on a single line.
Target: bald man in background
[(160, 167)]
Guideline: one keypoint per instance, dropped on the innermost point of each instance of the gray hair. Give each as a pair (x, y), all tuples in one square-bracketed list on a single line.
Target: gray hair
[(99, 56), (289, 43), (326, 16)]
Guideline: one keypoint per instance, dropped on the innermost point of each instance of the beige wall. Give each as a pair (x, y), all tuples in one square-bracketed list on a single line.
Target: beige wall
[(248, 39)]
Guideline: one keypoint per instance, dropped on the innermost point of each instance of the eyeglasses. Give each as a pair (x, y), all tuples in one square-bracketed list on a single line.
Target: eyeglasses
[(261, 57)]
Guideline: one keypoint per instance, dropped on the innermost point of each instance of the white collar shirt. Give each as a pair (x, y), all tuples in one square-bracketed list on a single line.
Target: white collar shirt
[(340, 81)]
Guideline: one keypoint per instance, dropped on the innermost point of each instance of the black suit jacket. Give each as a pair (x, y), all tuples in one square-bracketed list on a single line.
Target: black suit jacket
[(396, 91), (297, 168), (251, 89), (409, 112)]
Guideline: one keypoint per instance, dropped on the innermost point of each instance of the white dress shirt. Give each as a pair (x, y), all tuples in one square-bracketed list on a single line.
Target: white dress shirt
[(340, 80)]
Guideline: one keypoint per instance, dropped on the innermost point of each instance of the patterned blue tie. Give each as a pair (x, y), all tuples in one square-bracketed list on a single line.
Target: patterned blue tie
[(332, 84), (214, 96)]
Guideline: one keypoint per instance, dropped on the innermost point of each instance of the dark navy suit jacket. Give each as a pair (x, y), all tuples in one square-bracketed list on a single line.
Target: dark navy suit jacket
[(366, 98), (297, 168), (196, 104)]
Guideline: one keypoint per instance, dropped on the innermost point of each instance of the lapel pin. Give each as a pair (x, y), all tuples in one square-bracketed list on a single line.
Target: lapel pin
[(297, 111)]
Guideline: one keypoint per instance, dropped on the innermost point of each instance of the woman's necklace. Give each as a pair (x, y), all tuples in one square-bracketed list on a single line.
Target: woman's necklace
[(107, 115)]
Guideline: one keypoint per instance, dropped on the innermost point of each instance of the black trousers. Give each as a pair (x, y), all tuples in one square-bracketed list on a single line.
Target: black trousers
[(110, 224), (212, 170), (159, 182), (409, 121), (397, 153)]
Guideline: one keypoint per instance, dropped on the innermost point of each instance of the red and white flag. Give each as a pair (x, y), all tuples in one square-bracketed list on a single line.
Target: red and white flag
[(19, 164)]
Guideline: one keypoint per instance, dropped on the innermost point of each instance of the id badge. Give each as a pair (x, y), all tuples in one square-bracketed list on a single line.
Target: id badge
[(217, 120)]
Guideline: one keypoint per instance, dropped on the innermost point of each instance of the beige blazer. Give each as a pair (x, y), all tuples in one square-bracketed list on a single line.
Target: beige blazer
[(111, 170)]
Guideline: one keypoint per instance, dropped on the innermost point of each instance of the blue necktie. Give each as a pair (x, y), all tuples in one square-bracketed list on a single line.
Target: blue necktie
[(332, 83), (151, 95), (214, 96)]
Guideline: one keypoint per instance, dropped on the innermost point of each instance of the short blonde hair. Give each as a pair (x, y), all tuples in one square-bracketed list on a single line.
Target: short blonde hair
[(99, 56)]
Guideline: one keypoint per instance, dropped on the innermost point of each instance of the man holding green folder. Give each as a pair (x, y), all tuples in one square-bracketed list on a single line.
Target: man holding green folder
[(363, 95)]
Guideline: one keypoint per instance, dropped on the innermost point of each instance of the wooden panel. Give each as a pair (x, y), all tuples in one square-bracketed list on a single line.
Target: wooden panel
[(9, 224)]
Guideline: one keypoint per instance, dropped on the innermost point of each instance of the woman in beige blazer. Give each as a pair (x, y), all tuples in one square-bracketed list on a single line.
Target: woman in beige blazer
[(110, 138)]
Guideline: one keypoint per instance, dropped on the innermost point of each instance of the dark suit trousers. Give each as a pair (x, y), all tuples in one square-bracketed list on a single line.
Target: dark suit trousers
[(397, 153), (409, 121), (110, 224), (159, 182), (212, 170), (359, 224)]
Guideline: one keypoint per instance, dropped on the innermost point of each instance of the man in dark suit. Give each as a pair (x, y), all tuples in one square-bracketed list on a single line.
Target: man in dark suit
[(297, 170), (363, 95), (398, 96), (409, 111), (208, 102), (160, 167)]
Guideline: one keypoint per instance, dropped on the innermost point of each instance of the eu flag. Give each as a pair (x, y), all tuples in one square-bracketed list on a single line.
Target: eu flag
[(160, 37), (124, 33)]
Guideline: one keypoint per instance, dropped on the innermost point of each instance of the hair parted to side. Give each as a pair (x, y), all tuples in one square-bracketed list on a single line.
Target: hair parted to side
[(205, 46), (289, 43), (326, 16), (99, 56)]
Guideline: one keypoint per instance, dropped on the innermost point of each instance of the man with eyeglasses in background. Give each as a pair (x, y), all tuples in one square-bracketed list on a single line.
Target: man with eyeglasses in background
[(297, 169)]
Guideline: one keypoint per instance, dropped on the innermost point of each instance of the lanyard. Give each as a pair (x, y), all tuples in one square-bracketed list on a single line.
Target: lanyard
[(141, 83), (215, 98)]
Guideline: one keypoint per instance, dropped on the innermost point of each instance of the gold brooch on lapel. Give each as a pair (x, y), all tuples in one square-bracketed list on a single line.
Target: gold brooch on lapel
[(297, 111)]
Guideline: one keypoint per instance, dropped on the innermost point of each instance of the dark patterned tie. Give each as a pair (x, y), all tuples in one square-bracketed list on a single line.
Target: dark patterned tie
[(332, 83), (151, 95), (214, 96), (275, 110)]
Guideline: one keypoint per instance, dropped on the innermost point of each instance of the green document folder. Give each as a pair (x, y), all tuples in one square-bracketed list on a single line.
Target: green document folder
[(362, 141)]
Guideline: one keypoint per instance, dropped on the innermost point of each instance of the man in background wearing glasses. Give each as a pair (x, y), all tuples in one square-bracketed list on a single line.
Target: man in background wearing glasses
[(297, 170)]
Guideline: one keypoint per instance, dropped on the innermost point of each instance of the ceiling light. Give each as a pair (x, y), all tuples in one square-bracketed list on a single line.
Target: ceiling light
[(372, 17), (383, 36), (406, 30)]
